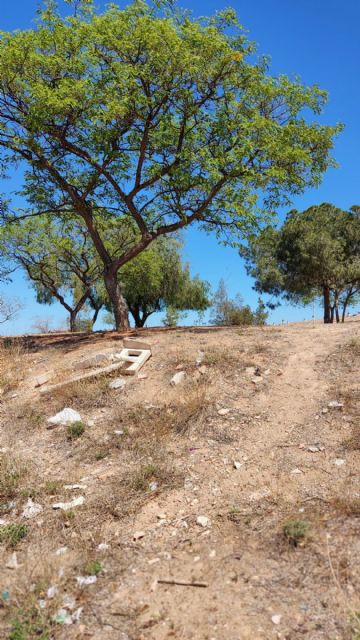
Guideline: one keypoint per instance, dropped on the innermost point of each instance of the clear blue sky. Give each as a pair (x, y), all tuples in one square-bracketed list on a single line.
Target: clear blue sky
[(317, 40)]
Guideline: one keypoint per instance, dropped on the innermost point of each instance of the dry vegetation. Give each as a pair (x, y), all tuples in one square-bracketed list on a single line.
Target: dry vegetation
[(149, 460)]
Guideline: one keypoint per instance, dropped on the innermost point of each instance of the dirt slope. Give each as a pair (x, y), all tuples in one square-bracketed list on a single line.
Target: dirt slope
[(259, 399)]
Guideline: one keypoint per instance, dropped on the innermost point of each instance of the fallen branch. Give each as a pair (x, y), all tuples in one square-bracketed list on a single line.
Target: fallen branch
[(183, 583)]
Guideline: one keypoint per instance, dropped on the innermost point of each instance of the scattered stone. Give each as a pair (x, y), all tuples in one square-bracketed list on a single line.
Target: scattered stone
[(118, 383), (65, 506), (339, 462), (12, 563), (257, 380), (69, 602), (31, 509), (43, 379), (153, 561), (103, 546), (51, 592), (61, 551), (325, 410), (276, 619), (178, 378), (75, 486), (203, 369), (142, 376), (334, 404), (65, 417), (223, 412), (237, 465), (153, 486), (85, 581), (250, 371), (296, 471), (119, 432), (138, 535), (203, 521), (91, 423), (62, 617), (313, 449)]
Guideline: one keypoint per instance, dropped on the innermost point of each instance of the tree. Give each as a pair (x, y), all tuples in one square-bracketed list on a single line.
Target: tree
[(59, 260), (154, 119), (157, 280), (227, 312), (314, 253), (8, 309)]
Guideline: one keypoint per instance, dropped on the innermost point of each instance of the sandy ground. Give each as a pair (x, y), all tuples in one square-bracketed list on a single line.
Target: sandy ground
[(247, 441)]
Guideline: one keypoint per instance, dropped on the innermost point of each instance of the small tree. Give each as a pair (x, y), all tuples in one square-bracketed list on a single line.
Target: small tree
[(153, 118), (58, 260), (314, 253), (227, 312)]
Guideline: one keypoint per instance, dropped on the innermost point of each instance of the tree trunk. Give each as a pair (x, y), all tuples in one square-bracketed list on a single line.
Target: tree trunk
[(118, 302), (96, 313), (73, 315), (327, 306)]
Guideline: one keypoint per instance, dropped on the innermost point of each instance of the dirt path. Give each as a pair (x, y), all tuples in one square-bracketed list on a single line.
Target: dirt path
[(265, 450)]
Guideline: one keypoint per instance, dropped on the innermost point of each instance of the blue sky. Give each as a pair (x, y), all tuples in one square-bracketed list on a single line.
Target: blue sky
[(317, 40)]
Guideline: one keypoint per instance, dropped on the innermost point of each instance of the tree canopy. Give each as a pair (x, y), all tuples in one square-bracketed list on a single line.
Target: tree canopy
[(314, 253), (155, 119), (233, 312)]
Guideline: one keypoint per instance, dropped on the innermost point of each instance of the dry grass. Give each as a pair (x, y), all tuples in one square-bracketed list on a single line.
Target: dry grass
[(88, 394), (11, 365), (12, 471)]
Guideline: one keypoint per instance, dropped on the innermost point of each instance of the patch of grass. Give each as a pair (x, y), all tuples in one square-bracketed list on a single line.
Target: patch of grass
[(11, 534), (145, 475), (12, 471), (28, 624), (93, 567), (75, 430), (100, 454), (295, 531), (354, 346), (52, 487), (11, 364), (88, 394)]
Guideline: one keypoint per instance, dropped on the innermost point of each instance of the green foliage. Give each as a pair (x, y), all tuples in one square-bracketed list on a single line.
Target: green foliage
[(75, 430), (11, 534), (190, 130), (315, 252), (228, 312), (29, 624), (93, 567), (295, 531)]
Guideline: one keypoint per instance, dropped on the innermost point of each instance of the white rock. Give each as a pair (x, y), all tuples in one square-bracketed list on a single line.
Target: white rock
[(334, 404), (223, 412), (64, 417), (339, 462), (313, 449), (65, 506), (276, 619), (61, 551), (178, 378), (119, 432), (103, 546), (91, 423), (31, 509), (74, 486), (138, 535), (51, 592), (118, 383), (296, 471), (203, 521), (12, 563), (85, 581), (237, 465), (153, 486)]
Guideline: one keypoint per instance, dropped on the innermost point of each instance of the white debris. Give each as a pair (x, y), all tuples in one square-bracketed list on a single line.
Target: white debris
[(103, 546), (61, 551), (200, 357), (62, 617), (85, 581), (118, 383), (237, 465), (296, 471), (178, 378), (203, 521), (65, 506), (12, 563), (223, 412), (91, 423), (276, 619), (313, 449), (51, 592), (64, 417), (75, 486), (339, 462), (334, 404), (31, 509), (119, 432), (69, 602), (138, 535), (153, 486)]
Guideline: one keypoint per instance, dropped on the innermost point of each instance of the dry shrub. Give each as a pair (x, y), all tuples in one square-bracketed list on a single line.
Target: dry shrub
[(11, 364), (12, 472)]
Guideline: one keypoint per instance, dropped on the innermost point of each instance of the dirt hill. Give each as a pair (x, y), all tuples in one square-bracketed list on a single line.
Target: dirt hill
[(223, 508)]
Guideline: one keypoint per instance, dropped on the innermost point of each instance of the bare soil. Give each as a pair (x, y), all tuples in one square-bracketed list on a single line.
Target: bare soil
[(248, 441)]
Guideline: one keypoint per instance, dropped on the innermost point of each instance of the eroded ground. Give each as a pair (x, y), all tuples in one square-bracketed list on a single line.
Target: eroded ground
[(279, 552)]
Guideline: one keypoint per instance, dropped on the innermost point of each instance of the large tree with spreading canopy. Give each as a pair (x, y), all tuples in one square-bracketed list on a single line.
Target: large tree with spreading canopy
[(152, 118)]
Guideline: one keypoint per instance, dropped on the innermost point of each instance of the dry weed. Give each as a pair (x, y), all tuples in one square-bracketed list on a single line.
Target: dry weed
[(12, 471), (11, 365)]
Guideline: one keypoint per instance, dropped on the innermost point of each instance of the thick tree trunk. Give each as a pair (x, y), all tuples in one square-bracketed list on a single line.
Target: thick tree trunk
[(118, 302), (73, 315), (327, 306), (96, 313)]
